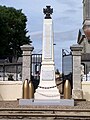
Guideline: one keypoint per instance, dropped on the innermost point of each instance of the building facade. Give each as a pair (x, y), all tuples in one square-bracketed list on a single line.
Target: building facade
[(84, 37)]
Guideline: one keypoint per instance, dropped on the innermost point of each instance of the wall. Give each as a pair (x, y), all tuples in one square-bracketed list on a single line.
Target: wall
[(86, 90), (10, 90)]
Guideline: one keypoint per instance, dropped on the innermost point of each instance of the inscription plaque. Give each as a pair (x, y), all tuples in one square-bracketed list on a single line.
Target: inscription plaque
[(47, 42)]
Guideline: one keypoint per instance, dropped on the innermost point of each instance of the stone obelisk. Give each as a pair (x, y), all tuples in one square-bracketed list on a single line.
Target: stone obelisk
[(47, 87)]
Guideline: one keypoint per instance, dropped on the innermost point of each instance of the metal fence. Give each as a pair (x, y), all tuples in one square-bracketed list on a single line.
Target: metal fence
[(66, 66), (36, 65), (85, 67), (10, 71), (13, 71)]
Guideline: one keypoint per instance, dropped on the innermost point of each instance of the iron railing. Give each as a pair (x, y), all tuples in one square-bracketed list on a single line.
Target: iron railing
[(10, 71)]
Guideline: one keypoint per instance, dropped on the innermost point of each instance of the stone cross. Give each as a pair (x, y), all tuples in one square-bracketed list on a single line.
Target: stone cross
[(48, 11)]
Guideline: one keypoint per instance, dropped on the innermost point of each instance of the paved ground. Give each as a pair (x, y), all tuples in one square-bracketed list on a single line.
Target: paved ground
[(15, 104), (78, 105)]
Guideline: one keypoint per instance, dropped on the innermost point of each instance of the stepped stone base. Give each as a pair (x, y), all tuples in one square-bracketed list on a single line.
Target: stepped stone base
[(61, 102)]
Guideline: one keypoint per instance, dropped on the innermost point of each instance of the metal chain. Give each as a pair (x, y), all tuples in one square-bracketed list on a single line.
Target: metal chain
[(50, 87)]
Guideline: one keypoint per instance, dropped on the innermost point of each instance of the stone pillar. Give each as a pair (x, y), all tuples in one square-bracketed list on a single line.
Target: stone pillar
[(76, 54), (26, 62)]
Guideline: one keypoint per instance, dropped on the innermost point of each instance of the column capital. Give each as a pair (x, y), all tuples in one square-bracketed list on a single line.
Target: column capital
[(27, 47), (76, 49)]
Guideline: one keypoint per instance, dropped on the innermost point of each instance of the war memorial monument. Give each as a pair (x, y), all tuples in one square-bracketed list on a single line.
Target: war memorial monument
[(47, 92), (47, 88)]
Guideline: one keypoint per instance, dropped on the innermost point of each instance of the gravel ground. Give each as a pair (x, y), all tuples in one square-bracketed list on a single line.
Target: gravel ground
[(15, 104)]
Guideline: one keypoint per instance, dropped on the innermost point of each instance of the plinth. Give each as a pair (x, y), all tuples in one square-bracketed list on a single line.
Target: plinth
[(47, 88)]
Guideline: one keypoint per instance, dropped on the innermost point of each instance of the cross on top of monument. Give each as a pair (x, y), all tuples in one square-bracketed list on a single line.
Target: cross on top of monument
[(48, 11)]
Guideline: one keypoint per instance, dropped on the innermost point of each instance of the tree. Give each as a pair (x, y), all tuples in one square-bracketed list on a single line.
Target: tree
[(13, 33)]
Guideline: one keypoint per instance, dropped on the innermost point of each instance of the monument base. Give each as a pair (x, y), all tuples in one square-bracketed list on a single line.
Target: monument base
[(47, 88), (49, 94), (61, 102)]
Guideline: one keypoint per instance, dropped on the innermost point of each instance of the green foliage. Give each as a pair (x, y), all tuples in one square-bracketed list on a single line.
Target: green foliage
[(12, 31)]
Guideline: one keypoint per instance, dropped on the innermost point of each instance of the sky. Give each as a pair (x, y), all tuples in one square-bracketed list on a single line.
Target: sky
[(67, 20)]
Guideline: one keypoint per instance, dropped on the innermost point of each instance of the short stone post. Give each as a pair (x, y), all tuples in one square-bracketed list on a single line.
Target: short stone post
[(26, 62), (76, 54)]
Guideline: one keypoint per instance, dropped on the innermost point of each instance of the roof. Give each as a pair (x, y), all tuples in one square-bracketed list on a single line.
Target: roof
[(81, 36)]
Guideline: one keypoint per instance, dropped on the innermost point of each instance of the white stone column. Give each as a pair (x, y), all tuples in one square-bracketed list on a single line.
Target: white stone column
[(26, 61), (76, 54), (48, 66)]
